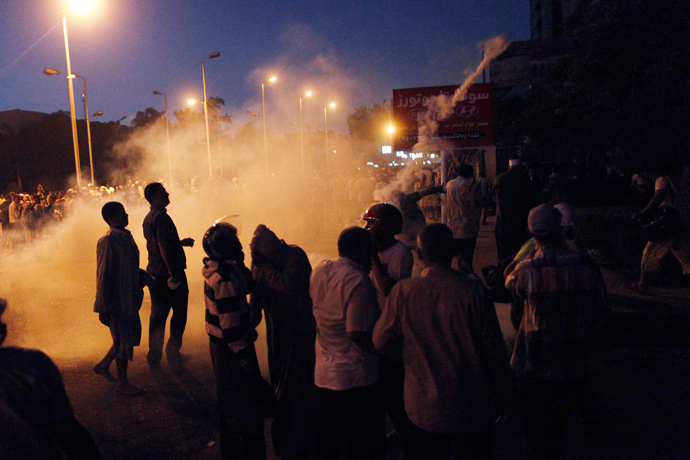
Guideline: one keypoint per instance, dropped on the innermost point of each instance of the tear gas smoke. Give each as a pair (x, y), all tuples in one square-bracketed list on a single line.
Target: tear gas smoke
[(440, 107), (50, 283)]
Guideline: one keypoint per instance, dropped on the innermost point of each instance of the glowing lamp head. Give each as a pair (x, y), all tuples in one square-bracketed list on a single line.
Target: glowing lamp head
[(308, 93), (391, 129), (272, 79), (82, 6), (332, 105), (191, 101)]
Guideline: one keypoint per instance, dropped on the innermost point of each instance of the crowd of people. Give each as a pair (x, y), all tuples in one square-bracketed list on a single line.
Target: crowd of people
[(369, 333)]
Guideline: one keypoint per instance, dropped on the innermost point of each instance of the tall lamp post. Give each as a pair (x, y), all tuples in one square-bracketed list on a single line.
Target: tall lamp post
[(75, 137), (301, 130), (325, 117), (167, 133), (208, 136), (49, 71), (263, 105)]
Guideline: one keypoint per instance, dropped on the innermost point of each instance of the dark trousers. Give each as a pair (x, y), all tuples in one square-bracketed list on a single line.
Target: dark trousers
[(391, 381), (464, 248), (544, 408), (240, 408), (164, 299), (350, 421), (428, 445)]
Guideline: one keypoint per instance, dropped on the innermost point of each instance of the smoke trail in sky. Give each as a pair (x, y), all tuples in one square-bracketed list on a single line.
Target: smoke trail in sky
[(4, 71), (440, 107)]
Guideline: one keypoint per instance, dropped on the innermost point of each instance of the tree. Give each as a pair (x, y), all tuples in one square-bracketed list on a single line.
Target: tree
[(146, 118), (370, 123)]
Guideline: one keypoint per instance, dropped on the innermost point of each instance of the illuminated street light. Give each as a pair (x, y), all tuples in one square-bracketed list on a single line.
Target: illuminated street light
[(49, 71), (75, 138), (263, 105), (167, 133), (325, 116), (301, 131), (208, 137)]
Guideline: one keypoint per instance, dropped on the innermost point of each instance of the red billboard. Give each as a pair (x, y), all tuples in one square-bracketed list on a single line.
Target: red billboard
[(470, 123)]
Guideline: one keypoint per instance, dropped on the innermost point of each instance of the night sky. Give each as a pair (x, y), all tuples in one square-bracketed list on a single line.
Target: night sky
[(353, 53)]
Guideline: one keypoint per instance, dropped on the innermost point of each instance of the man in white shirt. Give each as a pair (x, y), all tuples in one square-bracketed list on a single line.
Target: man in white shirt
[(348, 414)]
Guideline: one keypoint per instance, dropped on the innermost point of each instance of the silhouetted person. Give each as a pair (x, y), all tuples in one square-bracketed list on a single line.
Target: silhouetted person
[(119, 293), (239, 385), (515, 195), (464, 201), (457, 377), (33, 395), (281, 272), (349, 416), (167, 263), (563, 296)]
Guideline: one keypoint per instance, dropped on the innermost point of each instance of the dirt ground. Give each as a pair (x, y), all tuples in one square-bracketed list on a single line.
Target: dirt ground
[(641, 375)]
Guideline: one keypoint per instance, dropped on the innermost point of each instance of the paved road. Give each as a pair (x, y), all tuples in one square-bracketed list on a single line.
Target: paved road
[(641, 374)]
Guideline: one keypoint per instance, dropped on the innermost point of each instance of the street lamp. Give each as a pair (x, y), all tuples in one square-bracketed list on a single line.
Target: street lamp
[(301, 131), (49, 71), (208, 136), (263, 105), (167, 133), (75, 138), (325, 116)]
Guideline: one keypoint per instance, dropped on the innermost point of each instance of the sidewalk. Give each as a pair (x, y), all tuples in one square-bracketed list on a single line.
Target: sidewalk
[(641, 375)]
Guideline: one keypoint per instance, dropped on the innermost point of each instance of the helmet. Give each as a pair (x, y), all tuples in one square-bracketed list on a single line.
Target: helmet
[(221, 242), (387, 215)]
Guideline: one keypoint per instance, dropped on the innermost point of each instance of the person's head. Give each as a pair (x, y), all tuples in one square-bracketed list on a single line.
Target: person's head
[(383, 220), (355, 244), (465, 170), (544, 223), (435, 245), (3, 326), (221, 243), (115, 215), (265, 245), (156, 194)]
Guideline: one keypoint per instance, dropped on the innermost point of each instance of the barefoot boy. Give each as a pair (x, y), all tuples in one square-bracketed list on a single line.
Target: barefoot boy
[(119, 293)]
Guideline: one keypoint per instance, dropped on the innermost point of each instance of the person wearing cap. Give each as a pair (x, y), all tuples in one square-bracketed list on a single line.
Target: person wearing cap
[(281, 272), (563, 296), (33, 400), (515, 195)]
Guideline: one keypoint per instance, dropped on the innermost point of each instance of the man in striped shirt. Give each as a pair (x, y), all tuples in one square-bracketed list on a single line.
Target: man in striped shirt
[(232, 335), (564, 298)]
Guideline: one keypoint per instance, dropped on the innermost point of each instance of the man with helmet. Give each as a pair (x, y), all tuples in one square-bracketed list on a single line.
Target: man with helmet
[(392, 261), (167, 263), (229, 325)]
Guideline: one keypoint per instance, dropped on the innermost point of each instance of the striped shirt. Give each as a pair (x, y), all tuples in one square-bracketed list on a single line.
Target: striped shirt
[(564, 298), (227, 311)]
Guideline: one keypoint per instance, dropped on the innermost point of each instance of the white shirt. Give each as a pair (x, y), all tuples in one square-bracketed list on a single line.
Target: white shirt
[(344, 301), (397, 261)]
